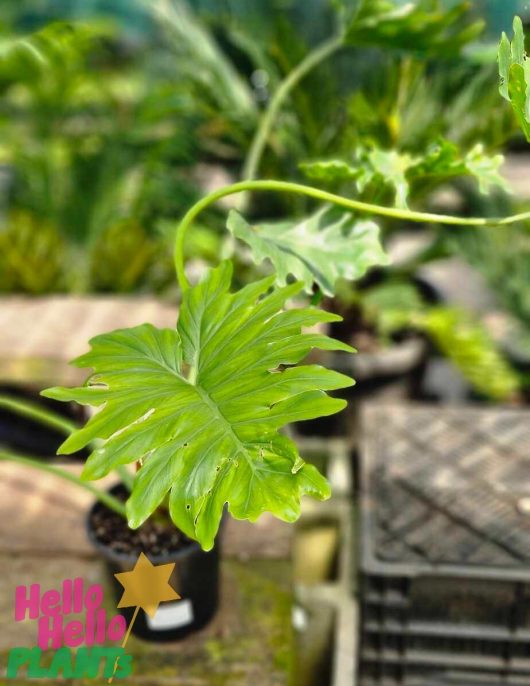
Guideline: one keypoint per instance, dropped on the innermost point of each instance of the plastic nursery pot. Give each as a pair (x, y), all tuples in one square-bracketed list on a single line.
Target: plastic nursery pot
[(195, 578)]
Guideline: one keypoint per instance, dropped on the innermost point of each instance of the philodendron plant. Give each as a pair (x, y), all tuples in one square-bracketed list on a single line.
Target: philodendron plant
[(200, 408)]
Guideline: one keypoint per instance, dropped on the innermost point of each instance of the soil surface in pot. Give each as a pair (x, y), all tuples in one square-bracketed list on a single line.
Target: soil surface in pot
[(154, 537)]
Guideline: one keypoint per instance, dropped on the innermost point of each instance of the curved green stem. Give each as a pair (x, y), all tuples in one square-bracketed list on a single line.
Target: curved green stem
[(324, 196), (106, 498), (28, 409), (259, 142)]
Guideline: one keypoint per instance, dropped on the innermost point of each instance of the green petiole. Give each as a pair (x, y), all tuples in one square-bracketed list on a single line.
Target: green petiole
[(324, 196), (106, 498)]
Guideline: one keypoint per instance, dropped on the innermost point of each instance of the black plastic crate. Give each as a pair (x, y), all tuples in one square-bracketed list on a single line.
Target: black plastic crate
[(445, 546), (447, 599)]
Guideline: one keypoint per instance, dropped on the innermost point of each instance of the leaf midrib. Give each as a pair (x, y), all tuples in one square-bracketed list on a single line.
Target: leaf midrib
[(229, 430)]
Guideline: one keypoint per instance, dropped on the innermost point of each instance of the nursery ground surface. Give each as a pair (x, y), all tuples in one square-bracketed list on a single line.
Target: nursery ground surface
[(42, 540)]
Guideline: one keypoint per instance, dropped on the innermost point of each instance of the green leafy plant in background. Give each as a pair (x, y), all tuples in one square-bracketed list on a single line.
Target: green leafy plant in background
[(381, 175), (95, 148), (425, 25), (31, 255), (87, 142), (220, 90), (422, 28), (471, 348), (200, 407), (403, 92), (405, 175), (514, 70), (503, 259), (397, 306)]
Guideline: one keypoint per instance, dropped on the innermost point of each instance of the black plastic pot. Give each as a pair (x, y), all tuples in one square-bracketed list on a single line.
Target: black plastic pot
[(195, 578)]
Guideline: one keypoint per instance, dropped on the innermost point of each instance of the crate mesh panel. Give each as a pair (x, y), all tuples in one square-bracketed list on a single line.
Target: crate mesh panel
[(445, 592)]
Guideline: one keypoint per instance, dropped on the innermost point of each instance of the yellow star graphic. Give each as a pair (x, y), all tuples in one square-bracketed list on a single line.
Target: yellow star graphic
[(147, 585)]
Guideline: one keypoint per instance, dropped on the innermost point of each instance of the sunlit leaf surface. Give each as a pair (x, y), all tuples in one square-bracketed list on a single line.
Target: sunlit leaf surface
[(202, 405)]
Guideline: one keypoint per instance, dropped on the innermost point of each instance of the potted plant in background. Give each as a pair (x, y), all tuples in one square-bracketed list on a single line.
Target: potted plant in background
[(403, 115), (389, 316), (397, 330), (503, 259), (91, 135), (198, 409)]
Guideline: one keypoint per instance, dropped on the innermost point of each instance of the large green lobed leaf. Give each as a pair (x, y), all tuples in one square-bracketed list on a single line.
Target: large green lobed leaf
[(201, 406)]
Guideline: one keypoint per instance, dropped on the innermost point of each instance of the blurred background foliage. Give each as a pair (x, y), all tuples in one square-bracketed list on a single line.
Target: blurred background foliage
[(115, 115)]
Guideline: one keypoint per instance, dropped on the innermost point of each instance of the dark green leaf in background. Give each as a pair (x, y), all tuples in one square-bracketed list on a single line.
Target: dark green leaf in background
[(423, 26)]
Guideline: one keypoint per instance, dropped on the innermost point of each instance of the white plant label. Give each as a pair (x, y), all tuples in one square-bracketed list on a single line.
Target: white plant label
[(171, 616)]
